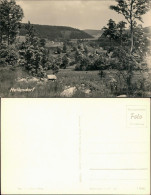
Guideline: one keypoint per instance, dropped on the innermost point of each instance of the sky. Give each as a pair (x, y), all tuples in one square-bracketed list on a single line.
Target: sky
[(81, 14)]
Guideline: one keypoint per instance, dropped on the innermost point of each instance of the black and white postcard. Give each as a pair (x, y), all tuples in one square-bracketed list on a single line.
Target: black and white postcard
[(75, 88)]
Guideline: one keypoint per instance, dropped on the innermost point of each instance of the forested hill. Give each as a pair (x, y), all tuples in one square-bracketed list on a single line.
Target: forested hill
[(94, 33), (98, 33), (57, 32), (147, 30)]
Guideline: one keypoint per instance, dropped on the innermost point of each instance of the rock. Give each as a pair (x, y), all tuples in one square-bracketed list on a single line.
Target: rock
[(68, 92), (122, 96), (51, 77), (21, 80), (34, 79), (113, 80), (87, 91), (39, 83), (66, 87), (44, 80)]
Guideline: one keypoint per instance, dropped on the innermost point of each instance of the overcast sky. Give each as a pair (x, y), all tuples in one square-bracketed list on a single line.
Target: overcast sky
[(82, 14)]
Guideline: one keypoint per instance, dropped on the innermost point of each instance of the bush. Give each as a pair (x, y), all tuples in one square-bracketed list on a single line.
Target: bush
[(77, 67), (125, 60), (101, 63), (33, 55), (55, 68), (33, 59), (71, 63), (83, 64), (65, 62)]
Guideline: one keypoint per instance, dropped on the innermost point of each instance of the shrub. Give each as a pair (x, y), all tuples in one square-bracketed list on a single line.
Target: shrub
[(83, 64), (33, 55), (55, 68), (77, 67), (65, 62), (71, 63), (101, 63), (125, 60)]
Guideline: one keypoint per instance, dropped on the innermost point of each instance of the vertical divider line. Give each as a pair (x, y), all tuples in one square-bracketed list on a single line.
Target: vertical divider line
[(0, 142), (80, 152)]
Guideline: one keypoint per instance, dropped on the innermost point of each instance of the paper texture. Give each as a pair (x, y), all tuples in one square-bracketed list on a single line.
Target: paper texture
[(70, 146)]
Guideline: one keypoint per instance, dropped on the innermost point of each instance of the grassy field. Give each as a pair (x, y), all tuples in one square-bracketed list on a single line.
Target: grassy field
[(66, 78)]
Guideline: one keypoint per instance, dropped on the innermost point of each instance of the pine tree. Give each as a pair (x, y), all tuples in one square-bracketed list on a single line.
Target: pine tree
[(110, 31)]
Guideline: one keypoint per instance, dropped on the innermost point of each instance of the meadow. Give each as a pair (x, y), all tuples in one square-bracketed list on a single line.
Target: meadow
[(88, 84)]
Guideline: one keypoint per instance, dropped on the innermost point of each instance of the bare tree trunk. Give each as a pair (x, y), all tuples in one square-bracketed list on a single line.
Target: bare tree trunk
[(132, 38), (121, 39), (8, 32), (131, 26), (130, 72)]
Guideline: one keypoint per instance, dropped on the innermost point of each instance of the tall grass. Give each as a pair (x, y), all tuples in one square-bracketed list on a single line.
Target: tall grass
[(65, 78)]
